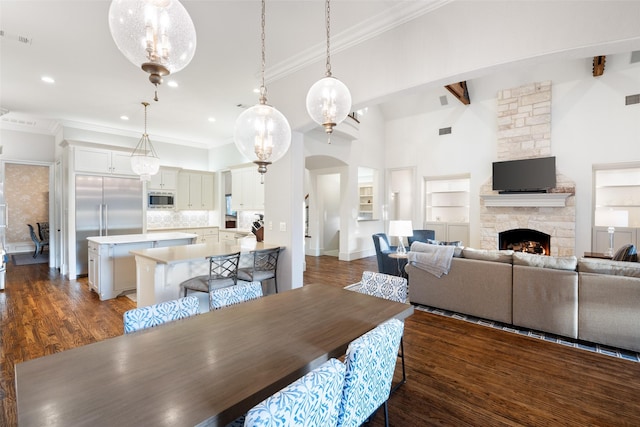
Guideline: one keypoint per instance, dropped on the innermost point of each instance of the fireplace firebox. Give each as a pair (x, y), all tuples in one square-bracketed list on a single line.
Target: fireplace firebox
[(525, 240)]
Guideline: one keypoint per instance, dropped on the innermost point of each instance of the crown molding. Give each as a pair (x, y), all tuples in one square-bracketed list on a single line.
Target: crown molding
[(389, 19)]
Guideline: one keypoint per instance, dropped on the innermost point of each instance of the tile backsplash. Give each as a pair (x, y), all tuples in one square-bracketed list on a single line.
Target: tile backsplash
[(180, 219)]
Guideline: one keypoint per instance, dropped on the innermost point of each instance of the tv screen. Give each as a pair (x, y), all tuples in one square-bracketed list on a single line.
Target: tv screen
[(527, 175)]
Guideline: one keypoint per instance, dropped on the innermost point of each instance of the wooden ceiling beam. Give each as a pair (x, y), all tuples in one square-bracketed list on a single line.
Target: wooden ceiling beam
[(598, 65), (459, 90)]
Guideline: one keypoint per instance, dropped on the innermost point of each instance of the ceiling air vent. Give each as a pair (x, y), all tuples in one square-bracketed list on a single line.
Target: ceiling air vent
[(444, 131), (632, 99)]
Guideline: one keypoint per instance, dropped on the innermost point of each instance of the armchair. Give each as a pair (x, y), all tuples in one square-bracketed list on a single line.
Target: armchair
[(421, 236), (386, 264)]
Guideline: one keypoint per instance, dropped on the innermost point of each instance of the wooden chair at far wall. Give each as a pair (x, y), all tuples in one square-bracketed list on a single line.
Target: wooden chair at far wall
[(370, 362), (265, 266), (242, 292), (393, 288), (223, 272), (40, 244), (158, 314), (313, 400)]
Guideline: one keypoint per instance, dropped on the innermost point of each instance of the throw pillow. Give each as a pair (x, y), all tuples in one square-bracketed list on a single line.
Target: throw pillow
[(556, 262), (504, 256), (626, 253)]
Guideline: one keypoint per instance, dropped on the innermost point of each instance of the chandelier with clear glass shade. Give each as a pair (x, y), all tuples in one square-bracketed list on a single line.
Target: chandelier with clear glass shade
[(156, 35), (144, 160), (328, 100), (262, 133)]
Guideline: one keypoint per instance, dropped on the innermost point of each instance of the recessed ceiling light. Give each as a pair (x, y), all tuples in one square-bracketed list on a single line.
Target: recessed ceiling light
[(256, 90), (47, 79), (124, 117), (172, 83), (211, 119)]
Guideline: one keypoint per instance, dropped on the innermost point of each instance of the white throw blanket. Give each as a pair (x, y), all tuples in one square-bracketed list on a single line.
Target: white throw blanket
[(435, 259)]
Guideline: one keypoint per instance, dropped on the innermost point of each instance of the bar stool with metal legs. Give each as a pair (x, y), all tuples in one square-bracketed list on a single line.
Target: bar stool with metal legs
[(223, 271), (265, 264)]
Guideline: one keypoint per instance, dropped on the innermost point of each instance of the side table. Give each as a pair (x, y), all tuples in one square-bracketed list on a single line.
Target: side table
[(402, 262)]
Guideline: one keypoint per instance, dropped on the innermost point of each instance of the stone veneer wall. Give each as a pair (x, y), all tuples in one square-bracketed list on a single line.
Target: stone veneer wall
[(524, 131)]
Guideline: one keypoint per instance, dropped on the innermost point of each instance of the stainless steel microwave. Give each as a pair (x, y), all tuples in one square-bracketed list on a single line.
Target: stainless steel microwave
[(161, 200)]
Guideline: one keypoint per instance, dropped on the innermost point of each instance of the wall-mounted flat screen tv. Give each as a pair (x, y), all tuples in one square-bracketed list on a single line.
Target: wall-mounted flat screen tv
[(527, 175)]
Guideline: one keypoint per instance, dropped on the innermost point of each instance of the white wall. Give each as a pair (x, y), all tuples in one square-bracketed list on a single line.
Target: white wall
[(27, 146), (590, 125)]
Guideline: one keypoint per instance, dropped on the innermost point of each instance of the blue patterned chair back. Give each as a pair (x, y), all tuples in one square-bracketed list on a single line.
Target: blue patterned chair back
[(157, 314), (243, 291), (385, 286), (313, 400), (370, 362)]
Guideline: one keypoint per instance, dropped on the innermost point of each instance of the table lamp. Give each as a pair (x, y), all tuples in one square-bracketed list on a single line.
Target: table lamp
[(401, 229)]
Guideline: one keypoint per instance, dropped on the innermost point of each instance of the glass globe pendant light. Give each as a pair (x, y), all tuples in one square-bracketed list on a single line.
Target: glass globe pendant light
[(156, 35), (328, 100), (262, 132), (144, 160)]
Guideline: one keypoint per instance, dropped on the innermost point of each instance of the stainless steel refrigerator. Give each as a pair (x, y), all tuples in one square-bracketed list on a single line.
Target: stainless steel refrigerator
[(105, 206)]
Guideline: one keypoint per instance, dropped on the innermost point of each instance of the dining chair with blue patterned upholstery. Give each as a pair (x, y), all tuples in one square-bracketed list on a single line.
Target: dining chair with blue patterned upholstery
[(370, 362), (157, 314), (389, 287), (313, 400), (243, 291)]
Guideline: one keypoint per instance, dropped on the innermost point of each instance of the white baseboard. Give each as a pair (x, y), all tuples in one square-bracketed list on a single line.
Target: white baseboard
[(19, 247)]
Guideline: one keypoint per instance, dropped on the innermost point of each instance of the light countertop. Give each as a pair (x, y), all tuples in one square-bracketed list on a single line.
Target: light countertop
[(183, 253), (136, 238)]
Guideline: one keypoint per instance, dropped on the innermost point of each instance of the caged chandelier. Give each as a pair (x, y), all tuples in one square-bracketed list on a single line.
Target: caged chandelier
[(156, 35), (144, 160), (328, 100), (261, 132)]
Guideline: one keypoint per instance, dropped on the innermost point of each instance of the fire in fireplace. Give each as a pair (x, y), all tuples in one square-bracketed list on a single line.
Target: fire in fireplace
[(525, 240)]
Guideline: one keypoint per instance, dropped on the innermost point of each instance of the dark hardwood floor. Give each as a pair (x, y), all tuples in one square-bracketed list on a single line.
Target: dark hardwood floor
[(459, 373)]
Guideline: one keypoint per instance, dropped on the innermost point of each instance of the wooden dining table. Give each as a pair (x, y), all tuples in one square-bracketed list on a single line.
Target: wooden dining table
[(205, 370)]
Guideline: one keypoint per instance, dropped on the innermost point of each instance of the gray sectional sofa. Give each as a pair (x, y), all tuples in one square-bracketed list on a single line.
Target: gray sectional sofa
[(587, 299)]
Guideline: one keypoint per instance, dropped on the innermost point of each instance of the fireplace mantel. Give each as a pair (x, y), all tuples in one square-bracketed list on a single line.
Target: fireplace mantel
[(537, 200)]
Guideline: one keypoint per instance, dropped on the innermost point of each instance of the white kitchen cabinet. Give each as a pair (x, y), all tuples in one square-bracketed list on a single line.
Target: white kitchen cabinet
[(247, 192), (195, 191), (112, 268), (102, 161), (165, 179)]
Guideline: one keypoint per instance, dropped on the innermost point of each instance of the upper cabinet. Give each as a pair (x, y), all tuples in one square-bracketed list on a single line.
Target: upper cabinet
[(165, 179), (104, 162), (247, 193), (195, 190)]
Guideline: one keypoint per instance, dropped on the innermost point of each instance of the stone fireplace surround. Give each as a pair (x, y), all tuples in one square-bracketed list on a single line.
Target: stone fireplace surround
[(524, 131)]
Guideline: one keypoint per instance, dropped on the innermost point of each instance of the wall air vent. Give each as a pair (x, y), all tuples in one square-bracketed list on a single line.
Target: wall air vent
[(443, 100), (444, 131), (14, 37), (632, 99), (635, 56)]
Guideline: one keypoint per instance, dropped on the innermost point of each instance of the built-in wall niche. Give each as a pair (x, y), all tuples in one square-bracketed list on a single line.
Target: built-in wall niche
[(616, 203), (447, 207), (368, 205)]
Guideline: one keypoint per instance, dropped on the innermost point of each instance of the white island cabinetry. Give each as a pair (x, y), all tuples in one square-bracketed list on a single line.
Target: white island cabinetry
[(112, 268)]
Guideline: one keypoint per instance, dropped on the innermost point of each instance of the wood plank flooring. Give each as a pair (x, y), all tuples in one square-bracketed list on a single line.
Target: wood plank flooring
[(459, 374)]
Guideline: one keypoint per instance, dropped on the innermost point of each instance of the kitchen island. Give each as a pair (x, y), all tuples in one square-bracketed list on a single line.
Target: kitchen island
[(112, 269), (159, 271)]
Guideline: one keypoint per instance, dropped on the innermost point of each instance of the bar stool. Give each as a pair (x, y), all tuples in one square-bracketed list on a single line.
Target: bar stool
[(223, 271), (265, 264)]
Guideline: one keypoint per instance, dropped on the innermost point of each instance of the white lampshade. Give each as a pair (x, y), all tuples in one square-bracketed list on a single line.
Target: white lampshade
[(328, 102), (153, 31), (400, 228), (262, 134)]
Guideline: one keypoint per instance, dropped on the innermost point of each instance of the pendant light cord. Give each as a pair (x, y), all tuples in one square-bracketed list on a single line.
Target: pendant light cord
[(328, 18), (263, 89)]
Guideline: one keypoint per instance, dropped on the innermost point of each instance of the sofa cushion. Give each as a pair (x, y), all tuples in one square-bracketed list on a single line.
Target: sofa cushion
[(543, 261), (504, 256), (424, 247), (615, 268)]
